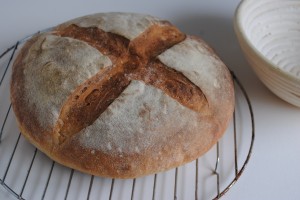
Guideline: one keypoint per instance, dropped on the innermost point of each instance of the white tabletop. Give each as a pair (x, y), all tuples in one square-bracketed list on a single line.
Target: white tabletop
[(273, 171)]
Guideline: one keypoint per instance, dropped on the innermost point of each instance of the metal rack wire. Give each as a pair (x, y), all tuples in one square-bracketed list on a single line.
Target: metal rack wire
[(10, 153)]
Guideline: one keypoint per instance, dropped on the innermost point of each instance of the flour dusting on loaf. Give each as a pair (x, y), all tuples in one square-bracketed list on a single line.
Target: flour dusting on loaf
[(136, 115), (121, 95), (55, 66)]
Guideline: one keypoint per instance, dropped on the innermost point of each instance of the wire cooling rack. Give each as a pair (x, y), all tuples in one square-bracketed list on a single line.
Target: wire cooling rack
[(26, 173)]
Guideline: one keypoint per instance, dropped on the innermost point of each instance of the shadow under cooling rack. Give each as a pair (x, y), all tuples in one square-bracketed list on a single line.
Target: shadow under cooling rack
[(27, 173)]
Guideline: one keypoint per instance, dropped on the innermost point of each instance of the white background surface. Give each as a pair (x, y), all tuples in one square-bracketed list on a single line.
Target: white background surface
[(273, 171)]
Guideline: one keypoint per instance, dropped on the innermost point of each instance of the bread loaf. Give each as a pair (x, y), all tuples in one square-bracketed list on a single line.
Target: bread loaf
[(120, 95)]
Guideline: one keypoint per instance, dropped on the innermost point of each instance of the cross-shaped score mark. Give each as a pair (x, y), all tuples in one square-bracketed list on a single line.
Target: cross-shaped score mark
[(132, 60)]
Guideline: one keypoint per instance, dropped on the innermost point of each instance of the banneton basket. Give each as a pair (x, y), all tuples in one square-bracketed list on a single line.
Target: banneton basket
[(269, 35), (27, 173)]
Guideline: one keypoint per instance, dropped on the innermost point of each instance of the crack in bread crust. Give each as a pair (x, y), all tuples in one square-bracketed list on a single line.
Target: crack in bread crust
[(132, 60)]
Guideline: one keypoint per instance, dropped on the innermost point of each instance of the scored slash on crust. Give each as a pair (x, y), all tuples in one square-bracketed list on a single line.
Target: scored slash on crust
[(132, 60)]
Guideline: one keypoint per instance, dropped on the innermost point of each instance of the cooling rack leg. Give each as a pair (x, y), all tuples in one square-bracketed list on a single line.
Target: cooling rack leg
[(133, 187), (196, 180), (154, 187), (90, 187), (111, 188), (175, 185)]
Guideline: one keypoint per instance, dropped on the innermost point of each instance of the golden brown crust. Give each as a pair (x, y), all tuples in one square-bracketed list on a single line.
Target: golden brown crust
[(132, 60)]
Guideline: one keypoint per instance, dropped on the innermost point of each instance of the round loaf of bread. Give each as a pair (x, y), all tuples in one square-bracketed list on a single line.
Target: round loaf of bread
[(120, 95)]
